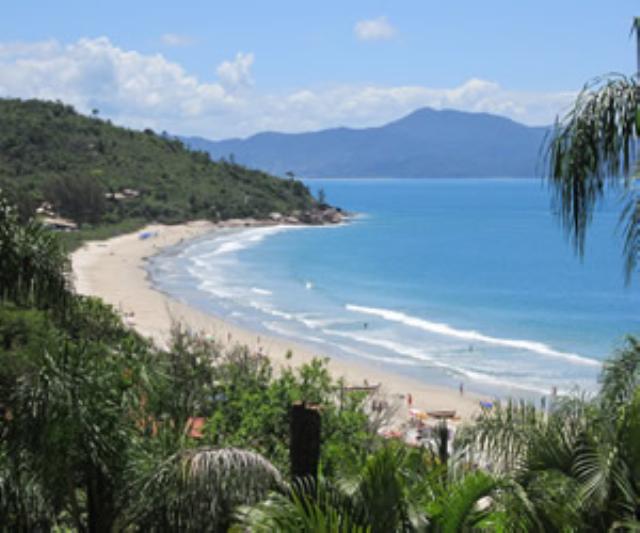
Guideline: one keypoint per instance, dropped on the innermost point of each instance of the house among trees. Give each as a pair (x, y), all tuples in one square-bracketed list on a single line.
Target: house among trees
[(59, 224)]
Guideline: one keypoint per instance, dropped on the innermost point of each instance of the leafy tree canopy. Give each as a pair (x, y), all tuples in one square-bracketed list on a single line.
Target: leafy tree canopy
[(84, 165)]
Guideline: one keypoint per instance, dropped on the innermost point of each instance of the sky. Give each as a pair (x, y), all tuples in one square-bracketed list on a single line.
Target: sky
[(235, 68)]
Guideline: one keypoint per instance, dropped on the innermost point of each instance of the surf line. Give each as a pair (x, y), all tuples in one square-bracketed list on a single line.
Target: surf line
[(469, 335)]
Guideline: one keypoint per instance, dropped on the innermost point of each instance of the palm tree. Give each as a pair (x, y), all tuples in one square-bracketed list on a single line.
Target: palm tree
[(199, 489), (591, 150), (72, 427), (580, 464), (24, 505), (398, 489), (590, 449), (32, 262)]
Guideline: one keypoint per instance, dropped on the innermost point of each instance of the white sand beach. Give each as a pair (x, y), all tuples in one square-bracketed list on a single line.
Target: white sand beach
[(114, 270)]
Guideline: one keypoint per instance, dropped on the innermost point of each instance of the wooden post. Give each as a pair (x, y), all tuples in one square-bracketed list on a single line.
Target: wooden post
[(304, 444)]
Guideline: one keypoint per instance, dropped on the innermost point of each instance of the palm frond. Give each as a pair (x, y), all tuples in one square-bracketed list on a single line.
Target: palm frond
[(230, 470), (381, 491), (298, 512), (546, 500), (591, 148), (379, 499), (630, 224), (626, 526), (621, 374), (199, 489), (467, 502), (502, 435), (604, 480)]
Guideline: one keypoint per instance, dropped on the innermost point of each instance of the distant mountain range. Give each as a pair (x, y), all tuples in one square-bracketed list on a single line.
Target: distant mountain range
[(427, 143)]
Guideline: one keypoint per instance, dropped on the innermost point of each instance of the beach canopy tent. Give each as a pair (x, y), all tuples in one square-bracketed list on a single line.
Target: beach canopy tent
[(442, 414)]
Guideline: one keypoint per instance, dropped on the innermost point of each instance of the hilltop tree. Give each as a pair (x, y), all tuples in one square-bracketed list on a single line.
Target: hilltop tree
[(322, 197)]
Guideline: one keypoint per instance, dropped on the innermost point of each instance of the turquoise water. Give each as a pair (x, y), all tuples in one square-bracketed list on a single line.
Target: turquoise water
[(446, 280)]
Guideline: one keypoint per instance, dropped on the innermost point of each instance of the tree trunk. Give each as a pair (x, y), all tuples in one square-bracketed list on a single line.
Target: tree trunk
[(100, 504), (638, 51), (304, 445)]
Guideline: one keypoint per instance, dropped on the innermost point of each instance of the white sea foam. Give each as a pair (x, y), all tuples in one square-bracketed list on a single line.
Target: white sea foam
[(415, 355), (270, 310), (238, 240), (321, 322), (215, 289), (422, 355), (207, 261), (228, 247), (301, 318), (277, 328), (470, 335), (382, 359), (310, 320)]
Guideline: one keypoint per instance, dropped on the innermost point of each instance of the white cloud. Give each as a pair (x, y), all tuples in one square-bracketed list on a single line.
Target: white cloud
[(125, 85), (378, 29), (236, 74), (176, 39), (370, 105), (140, 91)]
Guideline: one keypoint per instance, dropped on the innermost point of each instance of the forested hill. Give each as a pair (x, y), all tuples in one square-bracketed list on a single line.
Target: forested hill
[(426, 143), (97, 173)]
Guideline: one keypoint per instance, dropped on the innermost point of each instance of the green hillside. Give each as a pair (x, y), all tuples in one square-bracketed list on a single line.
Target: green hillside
[(84, 165)]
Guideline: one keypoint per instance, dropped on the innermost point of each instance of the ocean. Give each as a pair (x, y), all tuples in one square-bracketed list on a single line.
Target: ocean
[(446, 280)]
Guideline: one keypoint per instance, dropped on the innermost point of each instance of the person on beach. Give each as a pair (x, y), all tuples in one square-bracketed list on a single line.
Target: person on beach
[(461, 388), (409, 400)]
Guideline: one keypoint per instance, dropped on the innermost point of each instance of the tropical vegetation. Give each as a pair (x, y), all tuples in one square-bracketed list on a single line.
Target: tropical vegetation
[(98, 432), (97, 425)]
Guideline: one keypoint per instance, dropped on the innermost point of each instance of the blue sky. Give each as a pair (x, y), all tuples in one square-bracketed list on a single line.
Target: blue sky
[(234, 68)]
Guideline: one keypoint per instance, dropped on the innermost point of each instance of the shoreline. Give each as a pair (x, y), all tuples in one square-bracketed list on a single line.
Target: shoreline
[(114, 270)]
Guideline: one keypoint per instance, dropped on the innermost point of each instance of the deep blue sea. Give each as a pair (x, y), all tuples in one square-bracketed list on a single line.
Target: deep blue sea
[(446, 280)]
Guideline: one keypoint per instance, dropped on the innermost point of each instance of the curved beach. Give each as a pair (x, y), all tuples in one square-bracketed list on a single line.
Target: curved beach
[(114, 270)]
